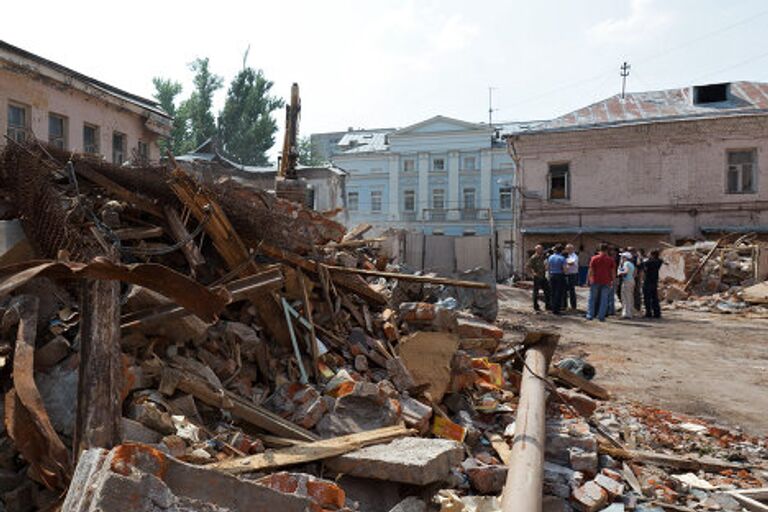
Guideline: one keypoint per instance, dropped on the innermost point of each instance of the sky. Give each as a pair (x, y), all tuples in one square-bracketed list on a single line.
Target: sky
[(370, 64)]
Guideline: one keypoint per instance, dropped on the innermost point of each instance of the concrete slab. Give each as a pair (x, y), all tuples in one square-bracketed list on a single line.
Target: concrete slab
[(411, 460)]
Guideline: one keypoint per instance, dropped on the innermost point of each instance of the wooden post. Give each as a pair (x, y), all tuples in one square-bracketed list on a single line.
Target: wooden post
[(525, 479), (100, 385)]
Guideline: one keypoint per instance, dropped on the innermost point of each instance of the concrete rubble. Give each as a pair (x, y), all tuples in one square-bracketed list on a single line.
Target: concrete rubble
[(254, 356)]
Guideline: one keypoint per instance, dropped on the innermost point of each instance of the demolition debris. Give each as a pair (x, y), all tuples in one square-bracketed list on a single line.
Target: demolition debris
[(170, 345)]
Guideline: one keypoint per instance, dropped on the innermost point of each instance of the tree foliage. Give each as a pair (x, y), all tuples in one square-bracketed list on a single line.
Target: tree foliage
[(306, 155), (198, 107), (246, 126), (166, 91)]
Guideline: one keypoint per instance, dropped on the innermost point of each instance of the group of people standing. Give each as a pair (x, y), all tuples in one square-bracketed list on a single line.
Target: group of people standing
[(627, 273)]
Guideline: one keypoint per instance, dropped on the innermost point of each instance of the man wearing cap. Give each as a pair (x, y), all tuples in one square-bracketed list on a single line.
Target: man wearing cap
[(627, 276)]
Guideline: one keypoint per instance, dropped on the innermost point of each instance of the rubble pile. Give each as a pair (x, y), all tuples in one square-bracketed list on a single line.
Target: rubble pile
[(169, 345), (713, 276)]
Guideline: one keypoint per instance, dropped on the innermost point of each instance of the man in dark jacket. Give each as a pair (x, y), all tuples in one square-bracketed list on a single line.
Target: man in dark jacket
[(651, 268), (537, 268)]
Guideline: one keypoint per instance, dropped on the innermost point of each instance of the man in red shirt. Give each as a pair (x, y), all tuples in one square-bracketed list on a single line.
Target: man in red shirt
[(602, 273)]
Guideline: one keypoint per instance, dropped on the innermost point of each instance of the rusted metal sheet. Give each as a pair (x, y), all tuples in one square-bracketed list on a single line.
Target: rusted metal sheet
[(26, 419), (187, 293)]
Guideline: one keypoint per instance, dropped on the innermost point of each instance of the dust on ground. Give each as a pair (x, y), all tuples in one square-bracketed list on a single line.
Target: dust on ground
[(709, 365)]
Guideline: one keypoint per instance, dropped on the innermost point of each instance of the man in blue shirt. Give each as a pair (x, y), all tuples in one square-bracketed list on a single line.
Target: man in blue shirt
[(556, 267)]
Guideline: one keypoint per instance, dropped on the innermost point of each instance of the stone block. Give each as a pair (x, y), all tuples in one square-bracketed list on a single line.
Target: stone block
[(614, 488), (411, 460), (590, 497), (487, 479), (474, 328), (583, 461), (579, 401), (135, 477), (410, 504), (416, 414), (133, 431), (560, 480)]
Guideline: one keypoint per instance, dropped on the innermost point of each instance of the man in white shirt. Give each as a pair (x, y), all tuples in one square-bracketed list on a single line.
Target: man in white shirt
[(571, 271), (627, 275)]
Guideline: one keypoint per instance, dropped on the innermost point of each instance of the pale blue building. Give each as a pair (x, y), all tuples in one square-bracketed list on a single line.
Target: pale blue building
[(441, 176)]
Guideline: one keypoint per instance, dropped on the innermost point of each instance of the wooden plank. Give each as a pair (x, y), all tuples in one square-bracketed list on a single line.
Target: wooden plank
[(502, 448), (752, 499), (408, 277), (357, 232), (671, 461), (574, 381), (100, 381), (139, 233), (205, 209), (123, 193), (310, 452), (314, 350), (174, 378), (179, 232)]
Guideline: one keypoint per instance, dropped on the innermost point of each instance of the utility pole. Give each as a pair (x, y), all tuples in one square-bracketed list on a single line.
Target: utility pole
[(518, 254), (490, 105), (624, 74)]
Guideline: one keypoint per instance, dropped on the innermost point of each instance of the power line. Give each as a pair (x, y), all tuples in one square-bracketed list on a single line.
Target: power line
[(737, 65)]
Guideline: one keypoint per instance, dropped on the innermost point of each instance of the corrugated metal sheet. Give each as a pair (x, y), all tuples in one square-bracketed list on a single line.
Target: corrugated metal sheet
[(744, 98), (473, 252)]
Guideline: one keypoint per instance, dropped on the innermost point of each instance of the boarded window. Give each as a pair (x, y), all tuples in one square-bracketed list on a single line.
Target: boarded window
[(376, 201), (559, 181), (353, 201), (741, 172)]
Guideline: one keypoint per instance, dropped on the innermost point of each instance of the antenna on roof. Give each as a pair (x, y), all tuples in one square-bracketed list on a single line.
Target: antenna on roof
[(490, 105), (624, 74)]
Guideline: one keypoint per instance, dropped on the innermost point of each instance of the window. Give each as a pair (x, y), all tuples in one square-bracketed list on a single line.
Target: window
[(57, 131), (469, 198), (505, 198), (409, 165), (376, 201), (438, 164), (143, 149), (90, 138), (118, 148), (409, 201), (438, 199), (17, 122), (559, 182), (469, 163), (742, 167), (353, 201)]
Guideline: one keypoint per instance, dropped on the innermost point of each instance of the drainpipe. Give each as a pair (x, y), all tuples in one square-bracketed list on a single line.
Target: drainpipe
[(517, 209)]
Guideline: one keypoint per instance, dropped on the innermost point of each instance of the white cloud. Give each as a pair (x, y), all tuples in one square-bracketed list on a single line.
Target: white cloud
[(645, 19), (454, 34)]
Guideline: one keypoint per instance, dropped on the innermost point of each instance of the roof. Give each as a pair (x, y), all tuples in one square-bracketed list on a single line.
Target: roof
[(364, 141), (579, 230), (444, 119), (140, 101), (743, 98)]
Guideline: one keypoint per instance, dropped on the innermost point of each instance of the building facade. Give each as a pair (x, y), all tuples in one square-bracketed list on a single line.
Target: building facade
[(651, 167), (441, 176), (45, 100)]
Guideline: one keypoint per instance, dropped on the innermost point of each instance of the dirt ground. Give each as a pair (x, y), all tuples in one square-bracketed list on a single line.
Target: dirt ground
[(708, 365)]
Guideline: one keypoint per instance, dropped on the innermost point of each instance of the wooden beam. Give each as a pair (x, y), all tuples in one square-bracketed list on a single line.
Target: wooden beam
[(408, 277), (139, 233), (671, 461), (173, 378), (123, 193), (179, 232), (100, 384), (525, 479), (309, 452), (575, 381)]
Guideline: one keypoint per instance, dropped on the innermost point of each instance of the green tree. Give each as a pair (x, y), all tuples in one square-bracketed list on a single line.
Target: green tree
[(166, 91), (246, 126), (197, 109), (306, 155)]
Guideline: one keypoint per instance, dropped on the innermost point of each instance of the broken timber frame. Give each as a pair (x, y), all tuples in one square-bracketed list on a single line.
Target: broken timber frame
[(525, 479), (100, 381)]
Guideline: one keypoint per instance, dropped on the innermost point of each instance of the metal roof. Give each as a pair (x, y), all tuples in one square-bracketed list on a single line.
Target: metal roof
[(744, 98), (364, 142), (585, 230), (97, 84), (734, 229)]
